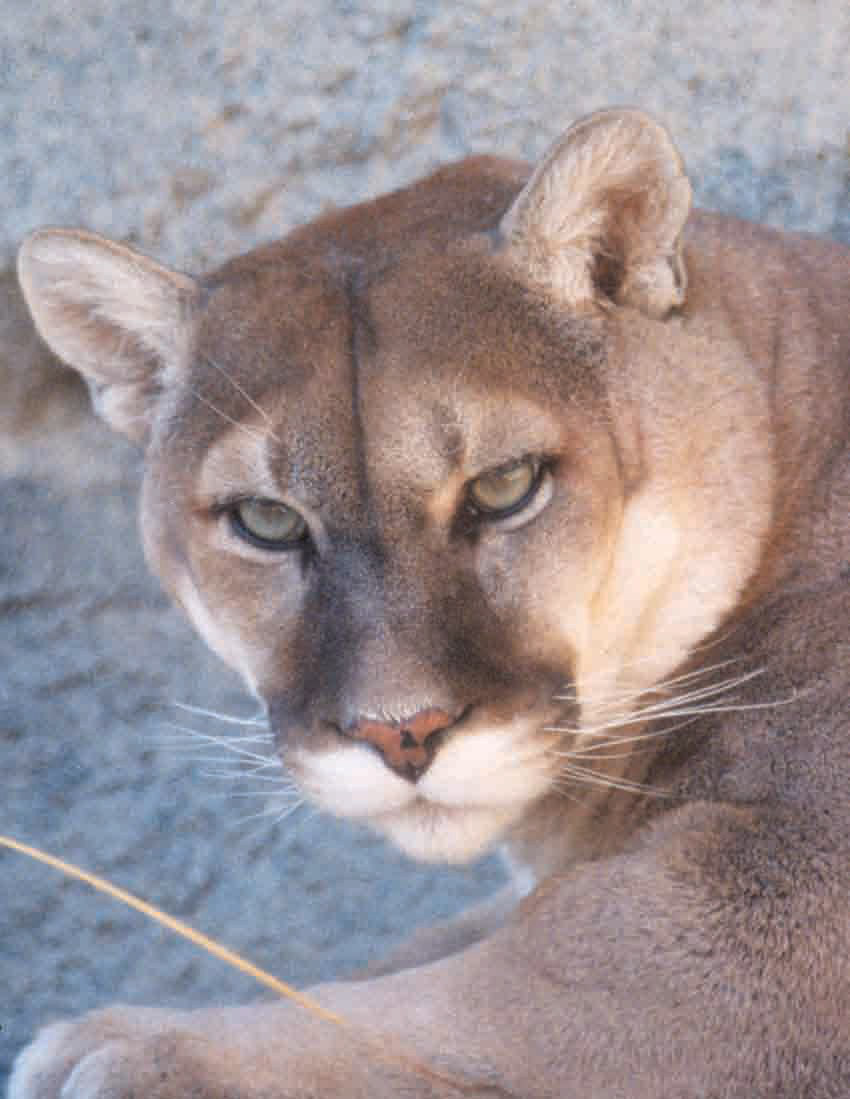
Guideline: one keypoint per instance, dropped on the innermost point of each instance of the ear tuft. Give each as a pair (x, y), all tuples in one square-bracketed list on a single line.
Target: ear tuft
[(603, 213), (118, 317)]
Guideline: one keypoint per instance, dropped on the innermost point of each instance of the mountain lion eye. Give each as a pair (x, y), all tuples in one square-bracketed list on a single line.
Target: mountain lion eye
[(506, 490), (268, 524)]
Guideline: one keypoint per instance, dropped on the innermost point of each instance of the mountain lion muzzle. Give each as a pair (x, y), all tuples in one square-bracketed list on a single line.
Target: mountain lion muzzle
[(521, 500)]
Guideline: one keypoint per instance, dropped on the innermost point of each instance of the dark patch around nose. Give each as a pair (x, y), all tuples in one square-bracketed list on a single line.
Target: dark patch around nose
[(344, 609)]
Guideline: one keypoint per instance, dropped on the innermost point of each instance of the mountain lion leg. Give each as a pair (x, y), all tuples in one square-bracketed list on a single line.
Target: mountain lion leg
[(446, 937), (607, 983)]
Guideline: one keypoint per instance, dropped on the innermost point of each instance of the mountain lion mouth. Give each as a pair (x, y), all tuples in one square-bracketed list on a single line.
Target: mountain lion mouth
[(478, 784)]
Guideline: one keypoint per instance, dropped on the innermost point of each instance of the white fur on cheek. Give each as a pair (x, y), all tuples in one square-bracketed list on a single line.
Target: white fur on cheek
[(351, 781), (494, 767), (222, 643)]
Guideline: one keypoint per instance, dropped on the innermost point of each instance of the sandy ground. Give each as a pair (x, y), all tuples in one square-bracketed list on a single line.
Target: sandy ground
[(194, 135)]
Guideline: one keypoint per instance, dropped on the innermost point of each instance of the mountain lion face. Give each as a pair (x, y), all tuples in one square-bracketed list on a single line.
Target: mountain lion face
[(396, 541), (452, 478)]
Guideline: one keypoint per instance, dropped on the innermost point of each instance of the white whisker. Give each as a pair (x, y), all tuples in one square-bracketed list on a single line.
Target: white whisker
[(596, 778), (253, 795), (225, 758), (619, 741), (244, 758), (664, 686), (233, 776), (693, 703), (639, 717), (277, 813), (566, 788), (229, 744), (229, 719), (246, 396), (257, 436)]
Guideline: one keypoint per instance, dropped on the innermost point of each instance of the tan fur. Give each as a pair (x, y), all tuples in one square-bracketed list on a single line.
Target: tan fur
[(640, 672)]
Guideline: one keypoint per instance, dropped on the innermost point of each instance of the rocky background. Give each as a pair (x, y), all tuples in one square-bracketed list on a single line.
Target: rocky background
[(192, 131)]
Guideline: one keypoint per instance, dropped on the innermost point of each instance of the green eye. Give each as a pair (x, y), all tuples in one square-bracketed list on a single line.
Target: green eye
[(268, 524), (505, 490)]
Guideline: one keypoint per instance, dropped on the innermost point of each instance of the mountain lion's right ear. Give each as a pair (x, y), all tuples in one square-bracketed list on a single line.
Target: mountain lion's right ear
[(118, 317)]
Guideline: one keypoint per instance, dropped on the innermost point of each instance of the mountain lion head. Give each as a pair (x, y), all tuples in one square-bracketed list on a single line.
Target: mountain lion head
[(453, 478)]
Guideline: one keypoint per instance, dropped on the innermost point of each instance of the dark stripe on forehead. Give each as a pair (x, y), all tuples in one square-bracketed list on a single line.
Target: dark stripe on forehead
[(361, 343)]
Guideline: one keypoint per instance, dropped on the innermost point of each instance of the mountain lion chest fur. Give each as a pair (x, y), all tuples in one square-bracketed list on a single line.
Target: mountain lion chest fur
[(521, 500)]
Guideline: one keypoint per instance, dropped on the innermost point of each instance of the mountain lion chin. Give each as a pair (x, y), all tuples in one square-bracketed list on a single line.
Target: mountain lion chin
[(430, 832)]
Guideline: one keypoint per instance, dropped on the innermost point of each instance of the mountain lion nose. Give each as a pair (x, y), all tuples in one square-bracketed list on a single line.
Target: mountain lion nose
[(408, 746)]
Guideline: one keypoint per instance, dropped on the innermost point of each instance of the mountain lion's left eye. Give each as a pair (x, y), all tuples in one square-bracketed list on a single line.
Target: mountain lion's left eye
[(268, 524), (506, 490)]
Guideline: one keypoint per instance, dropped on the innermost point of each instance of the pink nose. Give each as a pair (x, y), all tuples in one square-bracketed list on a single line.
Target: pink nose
[(409, 746)]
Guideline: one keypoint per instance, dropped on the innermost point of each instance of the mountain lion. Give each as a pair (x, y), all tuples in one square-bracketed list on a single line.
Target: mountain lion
[(521, 500)]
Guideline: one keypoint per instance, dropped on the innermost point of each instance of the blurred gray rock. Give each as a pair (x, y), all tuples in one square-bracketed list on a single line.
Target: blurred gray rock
[(197, 130)]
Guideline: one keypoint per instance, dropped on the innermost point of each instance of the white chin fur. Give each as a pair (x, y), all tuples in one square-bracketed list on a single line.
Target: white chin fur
[(478, 785), (434, 833), (351, 782)]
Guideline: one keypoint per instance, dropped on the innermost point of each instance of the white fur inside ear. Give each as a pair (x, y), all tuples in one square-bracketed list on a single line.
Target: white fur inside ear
[(610, 195), (118, 317)]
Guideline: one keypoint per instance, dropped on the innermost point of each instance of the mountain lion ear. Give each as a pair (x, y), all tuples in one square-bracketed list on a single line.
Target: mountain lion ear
[(603, 213), (119, 318)]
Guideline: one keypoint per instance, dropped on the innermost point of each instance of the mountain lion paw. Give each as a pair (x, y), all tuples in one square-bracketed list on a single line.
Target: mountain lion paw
[(114, 1054)]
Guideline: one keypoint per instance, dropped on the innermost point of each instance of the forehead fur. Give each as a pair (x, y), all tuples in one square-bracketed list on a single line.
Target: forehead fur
[(401, 304)]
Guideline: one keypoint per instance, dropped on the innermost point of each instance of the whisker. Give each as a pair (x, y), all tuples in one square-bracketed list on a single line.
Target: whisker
[(233, 776), (565, 787), (711, 690), (619, 741), (255, 795), (242, 393), (674, 709), (225, 759), (229, 719), (600, 752), (257, 436), (226, 755), (595, 778), (664, 685), (231, 745), (244, 758), (277, 815), (180, 743), (689, 704), (288, 810), (667, 706)]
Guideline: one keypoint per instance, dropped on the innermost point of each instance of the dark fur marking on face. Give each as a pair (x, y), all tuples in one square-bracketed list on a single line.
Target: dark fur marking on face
[(361, 341)]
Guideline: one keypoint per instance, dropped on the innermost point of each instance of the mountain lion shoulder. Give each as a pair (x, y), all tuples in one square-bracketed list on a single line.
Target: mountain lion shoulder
[(520, 498)]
